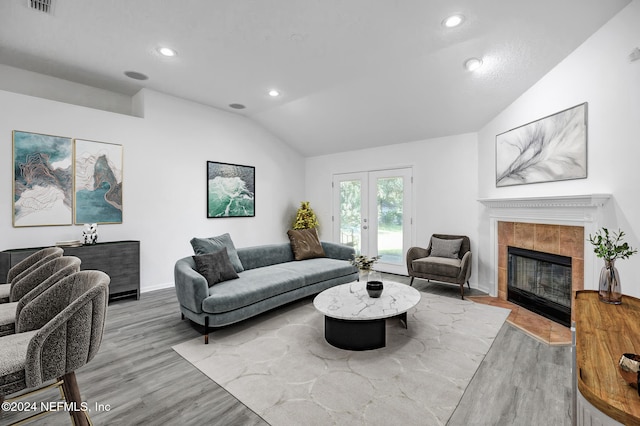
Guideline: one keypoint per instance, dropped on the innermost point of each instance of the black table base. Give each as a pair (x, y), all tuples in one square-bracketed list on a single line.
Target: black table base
[(357, 335)]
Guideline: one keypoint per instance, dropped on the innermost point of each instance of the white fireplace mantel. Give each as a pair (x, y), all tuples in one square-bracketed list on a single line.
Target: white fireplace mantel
[(572, 210)]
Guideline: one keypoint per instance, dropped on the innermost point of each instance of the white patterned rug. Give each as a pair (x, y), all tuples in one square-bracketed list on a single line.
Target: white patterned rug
[(280, 366)]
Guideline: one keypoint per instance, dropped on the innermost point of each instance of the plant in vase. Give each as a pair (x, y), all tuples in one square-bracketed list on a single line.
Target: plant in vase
[(364, 265), (609, 246)]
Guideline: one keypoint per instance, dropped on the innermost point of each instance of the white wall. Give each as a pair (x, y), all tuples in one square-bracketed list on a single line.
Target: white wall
[(164, 185), (598, 72), (444, 190)]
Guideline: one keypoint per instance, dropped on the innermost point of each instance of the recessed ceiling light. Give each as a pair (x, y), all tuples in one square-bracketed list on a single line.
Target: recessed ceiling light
[(136, 75), (453, 21), (167, 51), (274, 93), (237, 106), (472, 64)]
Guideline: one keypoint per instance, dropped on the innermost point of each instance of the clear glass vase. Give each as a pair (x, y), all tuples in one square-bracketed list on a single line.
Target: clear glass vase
[(609, 288)]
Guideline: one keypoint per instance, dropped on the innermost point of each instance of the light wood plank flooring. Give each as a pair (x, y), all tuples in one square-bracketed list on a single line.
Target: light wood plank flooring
[(143, 381)]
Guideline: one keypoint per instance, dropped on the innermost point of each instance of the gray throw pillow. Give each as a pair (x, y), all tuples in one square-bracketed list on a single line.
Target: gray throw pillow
[(215, 267), (305, 244), (209, 245), (445, 248)]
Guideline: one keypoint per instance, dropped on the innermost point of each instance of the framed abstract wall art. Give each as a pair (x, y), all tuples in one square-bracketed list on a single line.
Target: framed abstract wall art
[(42, 180), (98, 182), (550, 149), (230, 190)]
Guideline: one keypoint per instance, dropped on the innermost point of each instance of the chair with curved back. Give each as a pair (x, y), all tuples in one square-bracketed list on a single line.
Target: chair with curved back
[(58, 332), (446, 259), (26, 287), (32, 261)]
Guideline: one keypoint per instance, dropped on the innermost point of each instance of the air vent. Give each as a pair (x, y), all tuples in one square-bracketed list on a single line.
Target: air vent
[(40, 5)]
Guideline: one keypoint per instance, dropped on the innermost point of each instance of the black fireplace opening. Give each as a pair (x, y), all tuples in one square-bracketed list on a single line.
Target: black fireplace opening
[(540, 282)]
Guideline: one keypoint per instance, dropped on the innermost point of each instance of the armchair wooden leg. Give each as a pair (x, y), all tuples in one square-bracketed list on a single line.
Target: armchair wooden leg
[(74, 399), (468, 285), (411, 282), (462, 291)]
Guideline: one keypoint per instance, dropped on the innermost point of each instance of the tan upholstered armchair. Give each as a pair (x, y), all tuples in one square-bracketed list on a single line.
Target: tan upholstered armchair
[(446, 259)]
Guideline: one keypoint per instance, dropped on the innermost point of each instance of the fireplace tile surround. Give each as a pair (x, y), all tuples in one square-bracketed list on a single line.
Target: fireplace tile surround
[(556, 239), (557, 225)]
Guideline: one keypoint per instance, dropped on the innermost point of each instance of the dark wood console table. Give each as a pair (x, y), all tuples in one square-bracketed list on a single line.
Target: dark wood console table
[(603, 333), (118, 259)]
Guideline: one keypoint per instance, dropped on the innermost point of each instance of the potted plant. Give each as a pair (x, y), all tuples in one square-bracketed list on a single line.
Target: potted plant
[(305, 217), (364, 264), (609, 246)]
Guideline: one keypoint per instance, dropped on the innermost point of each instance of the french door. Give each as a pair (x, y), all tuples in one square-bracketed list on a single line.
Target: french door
[(372, 213)]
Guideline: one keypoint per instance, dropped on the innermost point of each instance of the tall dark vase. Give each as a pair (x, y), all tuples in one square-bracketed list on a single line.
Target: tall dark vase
[(609, 288)]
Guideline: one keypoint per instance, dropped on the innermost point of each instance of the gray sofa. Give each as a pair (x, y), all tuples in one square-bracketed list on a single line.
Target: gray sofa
[(271, 278)]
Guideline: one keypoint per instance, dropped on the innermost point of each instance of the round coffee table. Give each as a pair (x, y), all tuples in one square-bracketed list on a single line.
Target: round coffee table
[(355, 321)]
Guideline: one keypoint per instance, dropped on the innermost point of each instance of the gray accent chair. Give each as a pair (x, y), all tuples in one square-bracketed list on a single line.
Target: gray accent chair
[(29, 263), (420, 263), (27, 287), (57, 333)]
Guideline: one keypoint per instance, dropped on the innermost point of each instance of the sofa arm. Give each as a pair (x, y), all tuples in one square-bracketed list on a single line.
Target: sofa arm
[(338, 251), (191, 287)]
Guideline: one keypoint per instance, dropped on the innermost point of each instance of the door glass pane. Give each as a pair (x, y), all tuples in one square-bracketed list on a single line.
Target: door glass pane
[(390, 218), (350, 213)]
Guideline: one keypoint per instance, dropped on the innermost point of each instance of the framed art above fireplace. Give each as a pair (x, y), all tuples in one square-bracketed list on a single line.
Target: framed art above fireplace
[(549, 149)]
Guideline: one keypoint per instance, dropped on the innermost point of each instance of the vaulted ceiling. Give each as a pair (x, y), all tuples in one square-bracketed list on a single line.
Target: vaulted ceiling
[(351, 73)]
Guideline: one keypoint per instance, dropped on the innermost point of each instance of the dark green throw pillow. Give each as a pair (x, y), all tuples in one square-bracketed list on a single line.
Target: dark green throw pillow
[(215, 267)]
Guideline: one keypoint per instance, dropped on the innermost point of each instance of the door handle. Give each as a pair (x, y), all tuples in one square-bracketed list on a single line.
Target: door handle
[(364, 227)]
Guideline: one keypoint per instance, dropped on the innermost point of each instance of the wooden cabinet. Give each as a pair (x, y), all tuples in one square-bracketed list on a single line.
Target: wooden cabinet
[(118, 259)]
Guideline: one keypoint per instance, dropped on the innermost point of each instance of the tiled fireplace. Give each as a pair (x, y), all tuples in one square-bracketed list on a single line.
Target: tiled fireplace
[(556, 225)]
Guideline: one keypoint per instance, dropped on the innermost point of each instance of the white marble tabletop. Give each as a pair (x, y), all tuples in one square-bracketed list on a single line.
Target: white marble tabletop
[(351, 301)]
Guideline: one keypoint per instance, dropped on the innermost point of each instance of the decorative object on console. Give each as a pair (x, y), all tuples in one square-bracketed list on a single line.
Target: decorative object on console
[(90, 234), (230, 190), (42, 182), (305, 217), (550, 149), (630, 370), (609, 246), (98, 182), (374, 284)]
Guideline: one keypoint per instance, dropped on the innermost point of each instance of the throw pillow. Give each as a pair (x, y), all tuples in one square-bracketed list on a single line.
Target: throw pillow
[(209, 245), (305, 244), (215, 267), (445, 248)]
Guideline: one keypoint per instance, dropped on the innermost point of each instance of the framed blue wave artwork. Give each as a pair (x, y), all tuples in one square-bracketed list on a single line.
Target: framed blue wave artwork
[(98, 182), (42, 180), (231, 190), (550, 149)]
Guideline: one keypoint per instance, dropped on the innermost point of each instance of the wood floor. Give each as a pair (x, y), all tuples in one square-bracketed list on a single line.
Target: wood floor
[(137, 378)]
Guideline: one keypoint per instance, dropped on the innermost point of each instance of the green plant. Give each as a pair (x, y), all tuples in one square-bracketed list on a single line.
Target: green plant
[(305, 217), (609, 246), (363, 262)]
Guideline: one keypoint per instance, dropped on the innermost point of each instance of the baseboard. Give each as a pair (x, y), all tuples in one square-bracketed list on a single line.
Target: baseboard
[(160, 286)]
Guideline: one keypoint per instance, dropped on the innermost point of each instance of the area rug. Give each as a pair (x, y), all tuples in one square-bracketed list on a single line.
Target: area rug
[(280, 366)]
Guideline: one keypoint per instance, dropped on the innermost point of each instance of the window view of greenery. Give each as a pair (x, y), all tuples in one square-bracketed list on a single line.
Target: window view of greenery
[(390, 216), (350, 214), (390, 200)]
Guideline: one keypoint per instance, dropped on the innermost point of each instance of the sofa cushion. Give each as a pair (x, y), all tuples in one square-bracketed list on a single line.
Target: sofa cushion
[(432, 265), (445, 248), (320, 269), (211, 244), (252, 286), (305, 244), (215, 267)]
